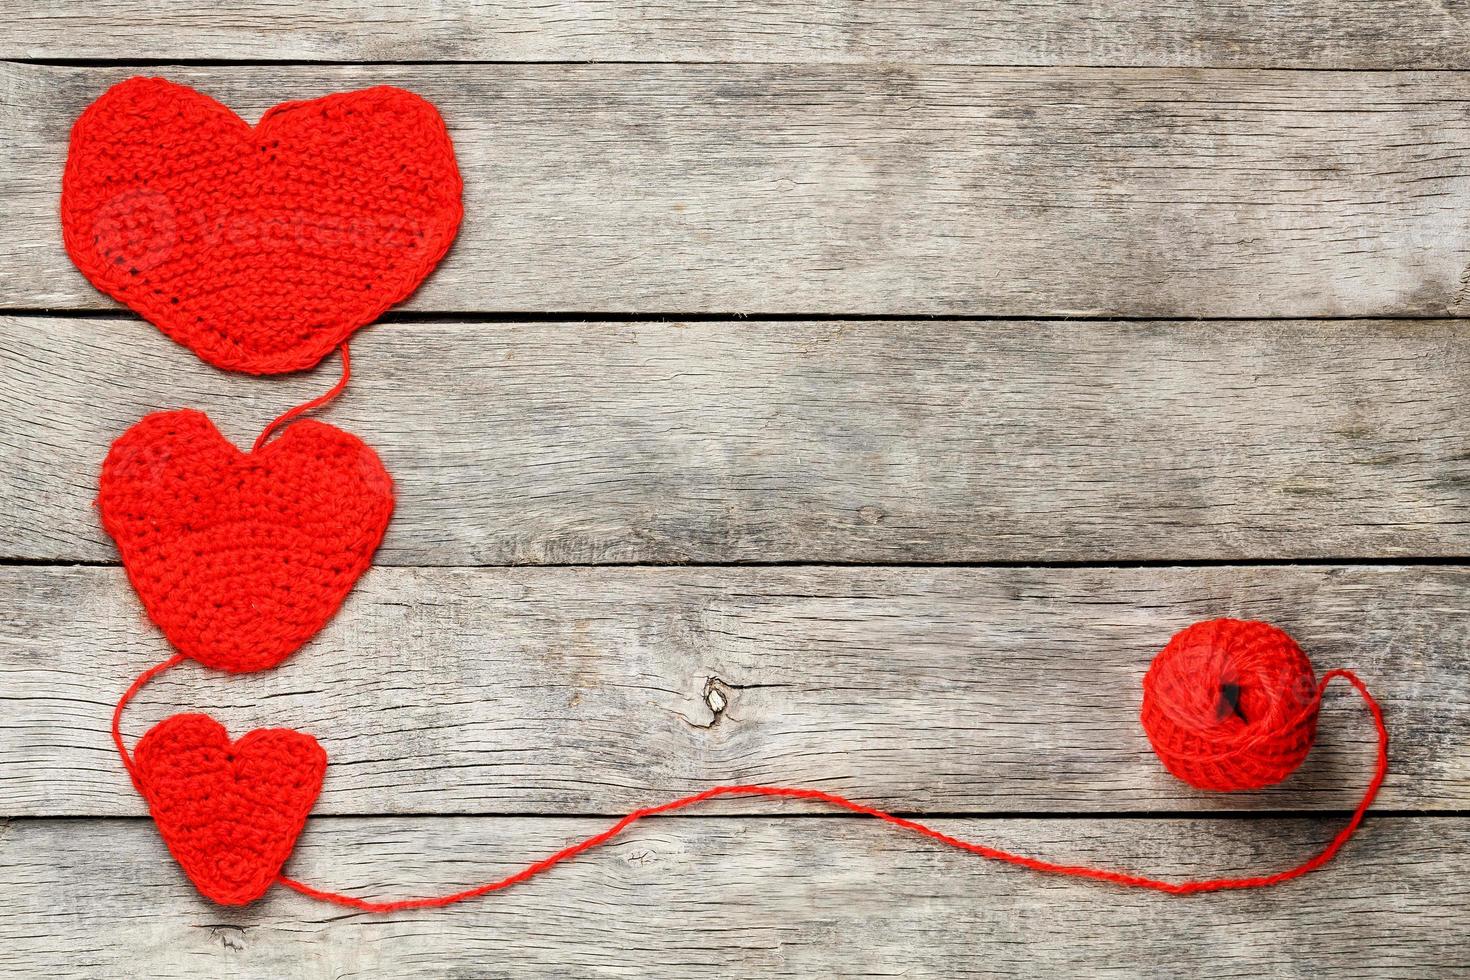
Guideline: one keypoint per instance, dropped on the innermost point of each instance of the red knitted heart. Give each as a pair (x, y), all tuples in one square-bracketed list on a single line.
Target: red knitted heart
[(260, 248), (229, 813), (240, 558)]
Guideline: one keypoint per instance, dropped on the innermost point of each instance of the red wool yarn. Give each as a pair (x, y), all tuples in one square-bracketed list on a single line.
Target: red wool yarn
[(240, 558), (260, 248), (1230, 705)]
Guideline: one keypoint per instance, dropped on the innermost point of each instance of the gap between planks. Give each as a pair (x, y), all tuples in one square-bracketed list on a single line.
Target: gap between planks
[(1291, 34)]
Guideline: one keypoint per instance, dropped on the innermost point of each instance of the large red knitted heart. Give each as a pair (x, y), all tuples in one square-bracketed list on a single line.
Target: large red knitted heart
[(240, 558), (229, 813), (260, 248)]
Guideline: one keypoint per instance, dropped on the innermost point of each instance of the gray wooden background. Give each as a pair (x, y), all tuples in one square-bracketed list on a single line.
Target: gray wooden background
[(825, 392)]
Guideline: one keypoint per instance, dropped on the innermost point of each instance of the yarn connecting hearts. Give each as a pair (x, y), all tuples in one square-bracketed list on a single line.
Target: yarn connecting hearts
[(259, 248), (239, 558)]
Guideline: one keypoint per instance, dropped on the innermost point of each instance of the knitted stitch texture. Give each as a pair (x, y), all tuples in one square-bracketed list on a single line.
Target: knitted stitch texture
[(1231, 704), (260, 248), (229, 813), (240, 558)]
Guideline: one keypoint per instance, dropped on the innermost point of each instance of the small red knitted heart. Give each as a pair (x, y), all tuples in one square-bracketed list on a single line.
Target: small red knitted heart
[(260, 248), (230, 813), (240, 558)]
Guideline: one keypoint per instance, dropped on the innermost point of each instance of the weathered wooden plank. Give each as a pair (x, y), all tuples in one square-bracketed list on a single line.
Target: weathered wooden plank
[(719, 897), (599, 690), (831, 189), (1286, 33), (850, 441)]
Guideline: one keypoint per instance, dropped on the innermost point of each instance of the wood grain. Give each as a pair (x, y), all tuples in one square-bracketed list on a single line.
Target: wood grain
[(537, 443), (887, 190), (596, 691), (719, 897), (1255, 33)]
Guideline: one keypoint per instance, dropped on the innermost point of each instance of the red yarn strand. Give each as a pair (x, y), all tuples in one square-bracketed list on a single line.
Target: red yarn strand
[(832, 799), (122, 702), (305, 407)]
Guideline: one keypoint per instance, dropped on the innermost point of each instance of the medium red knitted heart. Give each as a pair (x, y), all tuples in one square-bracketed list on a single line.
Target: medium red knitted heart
[(240, 558), (260, 248), (230, 813)]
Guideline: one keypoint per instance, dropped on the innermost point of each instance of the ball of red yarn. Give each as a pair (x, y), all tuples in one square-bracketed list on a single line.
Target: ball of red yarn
[(1230, 705)]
